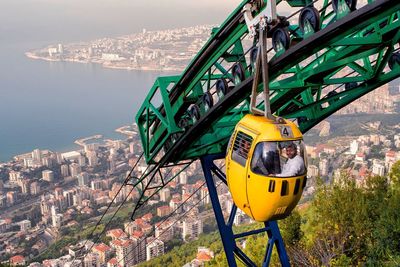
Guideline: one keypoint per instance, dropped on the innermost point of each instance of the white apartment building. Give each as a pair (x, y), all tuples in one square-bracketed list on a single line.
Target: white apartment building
[(192, 228), (154, 249), (48, 175)]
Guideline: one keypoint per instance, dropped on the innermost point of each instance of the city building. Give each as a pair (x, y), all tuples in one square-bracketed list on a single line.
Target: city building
[(96, 184), (175, 204), (5, 224), (25, 186), (390, 159), (312, 171), (240, 218), (78, 250), (14, 176), (56, 218), (125, 251), (113, 263), (58, 192), (163, 211), (71, 156), (116, 234), (154, 249), (11, 197), (91, 260), (17, 260), (48, 162), (183, 178), (360, 157), (205, 196), (378, 167), (140, 246), (353, 147), (64, 170), (69, 197), (323, 167), (204, 254), (165, 194), (164, 231), (37, 155), (24, 225), (48, 175), (192, 228), (93, 160), (35, 188), (3, 201), (83, 179), (81, 161)]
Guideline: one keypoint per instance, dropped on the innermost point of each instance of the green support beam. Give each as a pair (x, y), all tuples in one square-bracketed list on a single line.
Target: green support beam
[(319, 74)]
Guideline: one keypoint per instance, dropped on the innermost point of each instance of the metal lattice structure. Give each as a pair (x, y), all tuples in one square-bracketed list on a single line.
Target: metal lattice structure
[(325, 55), (305, 80)]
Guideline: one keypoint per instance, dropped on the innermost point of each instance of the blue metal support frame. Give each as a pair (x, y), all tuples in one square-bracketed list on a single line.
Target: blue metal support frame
[(225, 229)]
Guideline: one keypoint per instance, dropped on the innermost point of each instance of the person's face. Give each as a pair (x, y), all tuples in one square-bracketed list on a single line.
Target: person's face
[(291, 152)]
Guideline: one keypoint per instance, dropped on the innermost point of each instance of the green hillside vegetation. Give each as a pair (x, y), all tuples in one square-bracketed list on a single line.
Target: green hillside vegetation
[(345, 225)]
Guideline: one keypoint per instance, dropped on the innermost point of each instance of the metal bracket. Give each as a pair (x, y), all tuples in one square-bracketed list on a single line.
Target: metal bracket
[(266, 16)]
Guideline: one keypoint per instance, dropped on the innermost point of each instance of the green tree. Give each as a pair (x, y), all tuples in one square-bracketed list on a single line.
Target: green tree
[(291, 228)]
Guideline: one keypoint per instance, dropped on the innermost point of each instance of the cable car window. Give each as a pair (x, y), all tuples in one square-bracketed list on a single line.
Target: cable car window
[(230, 142), (241, 148), (266, 159), (279, 159)]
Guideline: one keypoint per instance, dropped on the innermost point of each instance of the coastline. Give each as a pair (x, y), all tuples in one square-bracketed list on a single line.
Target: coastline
[(126, 131), (104, 64)]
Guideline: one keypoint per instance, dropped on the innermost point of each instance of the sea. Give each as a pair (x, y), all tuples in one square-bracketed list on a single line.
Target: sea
[(48, 105)]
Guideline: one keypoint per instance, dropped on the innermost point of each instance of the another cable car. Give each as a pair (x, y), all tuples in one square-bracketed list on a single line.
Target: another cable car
[(266, 167)]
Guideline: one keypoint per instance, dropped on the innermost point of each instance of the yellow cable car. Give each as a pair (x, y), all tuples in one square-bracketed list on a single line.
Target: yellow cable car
[(266, 167)]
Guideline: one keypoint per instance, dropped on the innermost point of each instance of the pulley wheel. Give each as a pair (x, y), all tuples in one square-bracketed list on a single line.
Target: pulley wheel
[(350, 85), (175, 136), (331, 94), (253, 58), (194, 113), (352, 4), (238, 73), (280, 35), (394, 60), (311, 15), (167, 145), (207, 100), (183, 123), (222, 87)]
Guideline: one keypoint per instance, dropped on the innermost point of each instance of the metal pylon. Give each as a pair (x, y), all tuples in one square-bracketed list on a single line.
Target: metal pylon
[(225, 228)]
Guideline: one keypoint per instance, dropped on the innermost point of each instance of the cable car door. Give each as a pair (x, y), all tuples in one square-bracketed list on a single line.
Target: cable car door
[(240, 157)]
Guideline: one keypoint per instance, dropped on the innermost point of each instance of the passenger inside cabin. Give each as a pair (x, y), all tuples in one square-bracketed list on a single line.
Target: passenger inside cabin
[(294, 165), (268, 156), (266, 159)]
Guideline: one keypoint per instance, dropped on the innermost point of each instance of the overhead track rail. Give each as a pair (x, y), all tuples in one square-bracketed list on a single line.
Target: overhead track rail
[(189, 116)]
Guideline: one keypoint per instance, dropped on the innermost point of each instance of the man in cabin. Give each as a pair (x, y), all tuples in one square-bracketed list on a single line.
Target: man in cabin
[(294, 166), (266, 159)]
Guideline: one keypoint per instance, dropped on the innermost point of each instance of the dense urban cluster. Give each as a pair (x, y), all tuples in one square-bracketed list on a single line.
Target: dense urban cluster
[(167, 50), (46, 196), (360, 155)]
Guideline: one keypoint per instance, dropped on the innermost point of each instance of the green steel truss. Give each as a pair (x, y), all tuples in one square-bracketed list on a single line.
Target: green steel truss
[(317, 75)]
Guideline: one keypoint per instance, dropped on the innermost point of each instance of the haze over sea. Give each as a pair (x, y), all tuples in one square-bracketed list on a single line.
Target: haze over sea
[(48, 105)]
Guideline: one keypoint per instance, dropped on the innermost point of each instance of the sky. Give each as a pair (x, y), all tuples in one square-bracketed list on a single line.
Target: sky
[(76, 19)]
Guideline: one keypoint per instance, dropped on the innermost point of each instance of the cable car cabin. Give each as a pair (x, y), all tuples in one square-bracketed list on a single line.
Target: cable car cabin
[(266, 167)]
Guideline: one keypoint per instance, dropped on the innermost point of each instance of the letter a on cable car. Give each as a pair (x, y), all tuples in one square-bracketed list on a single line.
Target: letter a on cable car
[(266, 167)]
